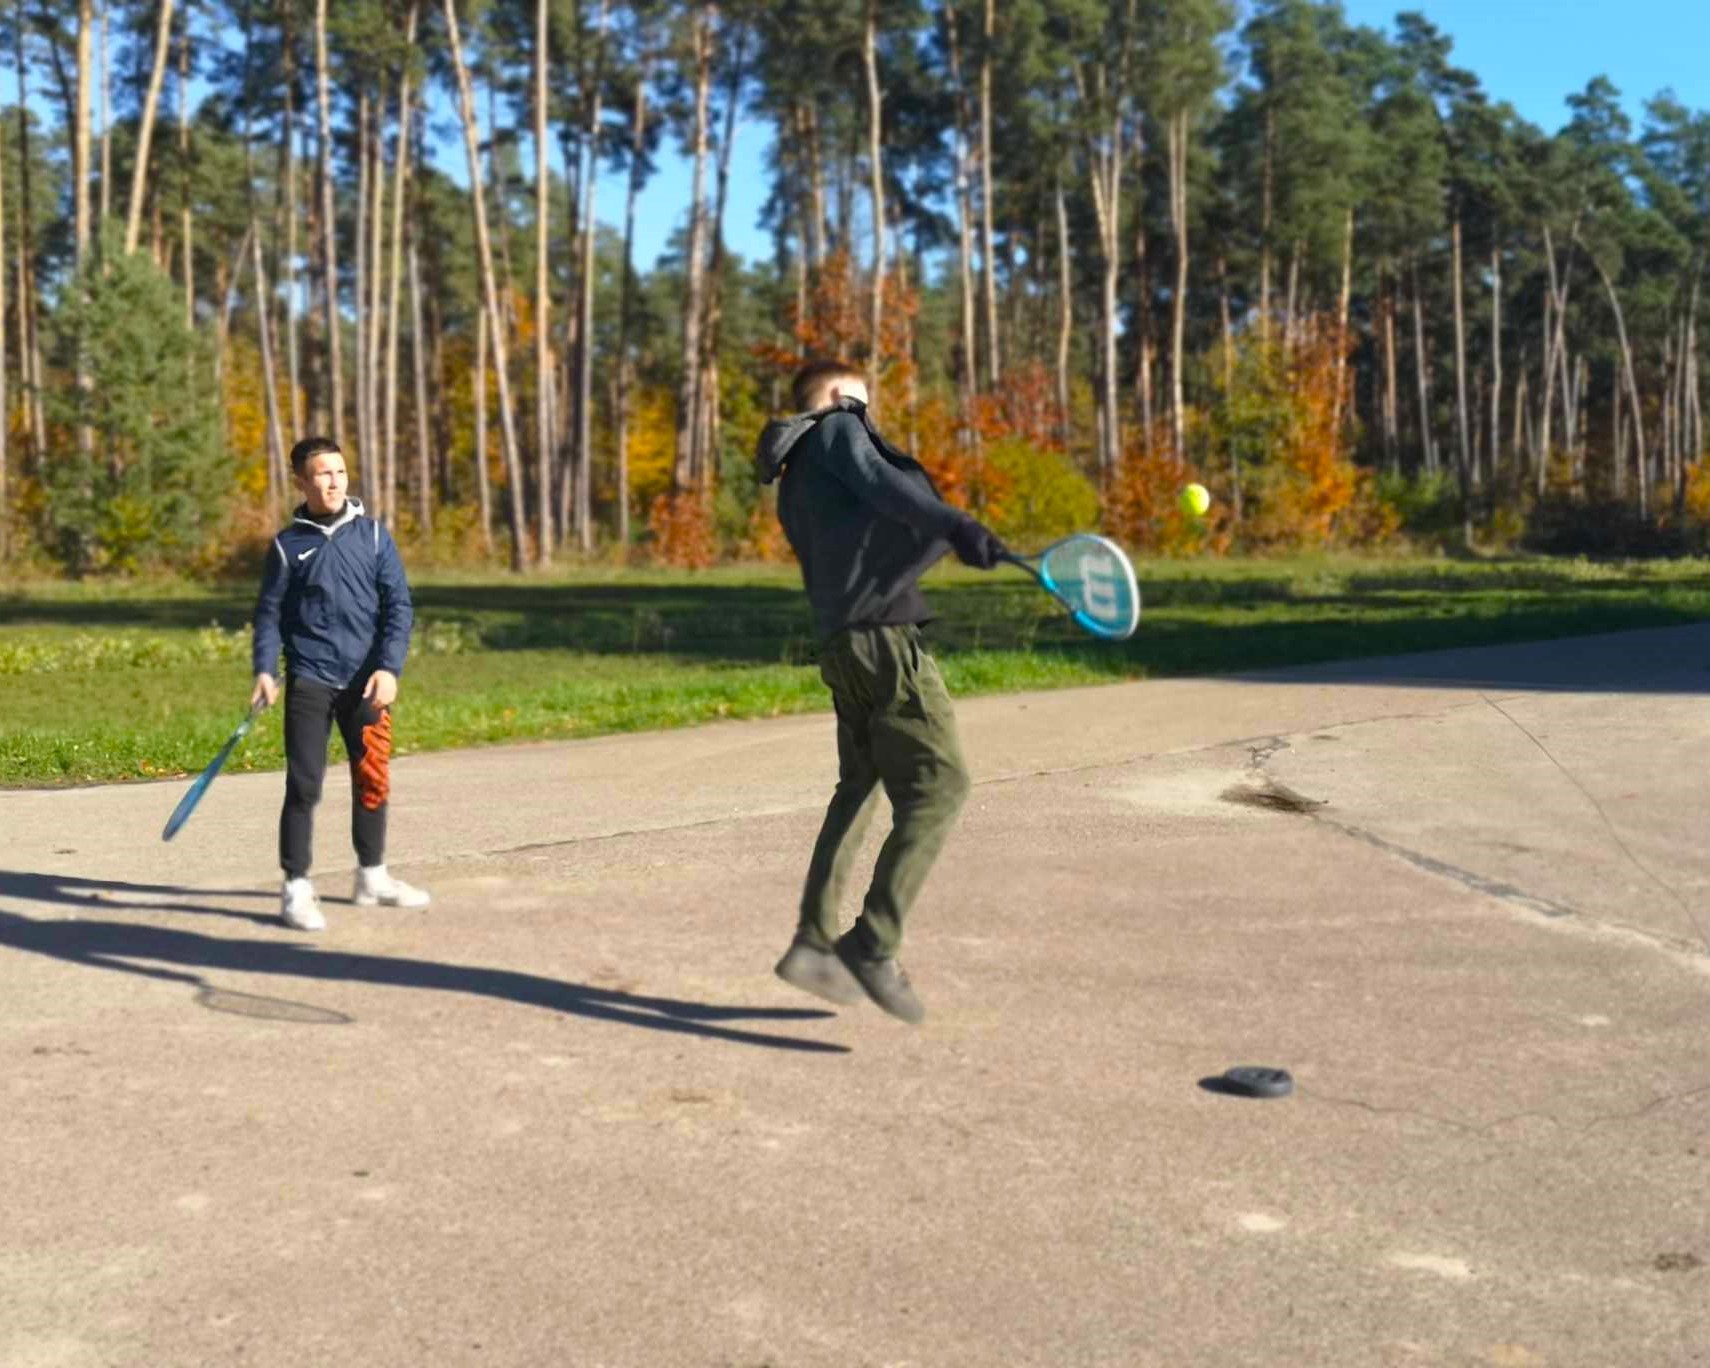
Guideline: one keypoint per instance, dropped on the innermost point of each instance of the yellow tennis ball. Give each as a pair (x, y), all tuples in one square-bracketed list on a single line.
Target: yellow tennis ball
[(1195, 499)]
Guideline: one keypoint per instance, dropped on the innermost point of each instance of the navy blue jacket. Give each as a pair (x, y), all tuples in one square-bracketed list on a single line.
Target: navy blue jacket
[(335, 597)]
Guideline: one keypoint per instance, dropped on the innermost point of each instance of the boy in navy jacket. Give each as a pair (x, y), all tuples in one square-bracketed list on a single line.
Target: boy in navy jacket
[(334, 596)]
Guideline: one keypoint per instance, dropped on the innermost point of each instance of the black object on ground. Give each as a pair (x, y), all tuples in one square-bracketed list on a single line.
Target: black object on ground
[(1250, 1081)]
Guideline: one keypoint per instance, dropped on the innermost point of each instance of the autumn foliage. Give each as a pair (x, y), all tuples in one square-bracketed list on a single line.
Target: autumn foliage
[(1278, 445), (680, 527)]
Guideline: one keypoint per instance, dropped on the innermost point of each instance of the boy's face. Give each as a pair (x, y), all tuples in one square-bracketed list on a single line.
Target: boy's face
[(323, 483), (848, 389)]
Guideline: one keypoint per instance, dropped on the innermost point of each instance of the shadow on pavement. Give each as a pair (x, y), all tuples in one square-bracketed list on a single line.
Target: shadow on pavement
[(1643, 661), (118, 945), (73, 890)]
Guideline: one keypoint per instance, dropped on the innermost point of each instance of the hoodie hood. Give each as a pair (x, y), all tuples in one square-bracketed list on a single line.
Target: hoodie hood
[(780, 436), (351, 511)]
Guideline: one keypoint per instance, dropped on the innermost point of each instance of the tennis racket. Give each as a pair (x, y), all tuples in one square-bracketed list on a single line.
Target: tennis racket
[(187, 804), (1092, 578)]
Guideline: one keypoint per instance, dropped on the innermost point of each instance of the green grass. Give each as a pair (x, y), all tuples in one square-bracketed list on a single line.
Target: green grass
[(124, 681)]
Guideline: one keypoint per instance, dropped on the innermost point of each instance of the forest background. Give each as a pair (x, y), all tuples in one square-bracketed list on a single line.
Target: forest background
[(1088, 251)]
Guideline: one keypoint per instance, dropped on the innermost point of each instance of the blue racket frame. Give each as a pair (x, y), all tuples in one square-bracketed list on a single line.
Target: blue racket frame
[(1038, 566), (187, 804)]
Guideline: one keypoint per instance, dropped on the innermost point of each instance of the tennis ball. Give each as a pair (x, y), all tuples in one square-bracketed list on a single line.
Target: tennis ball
[(1195, 499)]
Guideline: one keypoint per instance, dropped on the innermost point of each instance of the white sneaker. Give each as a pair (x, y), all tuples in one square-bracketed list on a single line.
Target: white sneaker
[(376, 888), (299, 908)]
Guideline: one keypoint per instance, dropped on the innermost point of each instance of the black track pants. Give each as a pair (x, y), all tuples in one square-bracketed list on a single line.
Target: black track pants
[(311, 708)]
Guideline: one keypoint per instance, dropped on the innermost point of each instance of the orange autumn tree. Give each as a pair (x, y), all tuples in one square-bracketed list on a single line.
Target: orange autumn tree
[(831, 320), (1275, 449)]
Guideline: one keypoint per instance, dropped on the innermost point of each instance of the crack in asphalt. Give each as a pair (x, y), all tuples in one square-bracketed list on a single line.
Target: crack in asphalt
[(1269, 792), (1468, 1128), (1609, 826)]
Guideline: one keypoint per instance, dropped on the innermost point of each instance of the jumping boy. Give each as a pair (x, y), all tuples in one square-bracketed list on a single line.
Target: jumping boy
[(335, 596), (865, 522)]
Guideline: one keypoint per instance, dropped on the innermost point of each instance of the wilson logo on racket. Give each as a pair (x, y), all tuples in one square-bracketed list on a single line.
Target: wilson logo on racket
[(1101, 587)]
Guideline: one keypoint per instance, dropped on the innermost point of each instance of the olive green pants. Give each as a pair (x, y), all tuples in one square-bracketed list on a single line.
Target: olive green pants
[(895, 727)]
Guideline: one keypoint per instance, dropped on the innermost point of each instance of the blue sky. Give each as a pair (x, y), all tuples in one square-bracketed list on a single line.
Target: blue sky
[(1532, 53)]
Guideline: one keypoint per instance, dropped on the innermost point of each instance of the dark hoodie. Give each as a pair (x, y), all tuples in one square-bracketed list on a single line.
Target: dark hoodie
[(863, 519)]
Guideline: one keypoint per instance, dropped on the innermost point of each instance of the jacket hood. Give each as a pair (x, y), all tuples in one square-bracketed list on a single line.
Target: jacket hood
[(351, 511), (780, 436)]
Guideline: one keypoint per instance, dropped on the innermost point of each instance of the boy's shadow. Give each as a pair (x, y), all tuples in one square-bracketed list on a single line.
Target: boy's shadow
[(118, 945), (74, 890)]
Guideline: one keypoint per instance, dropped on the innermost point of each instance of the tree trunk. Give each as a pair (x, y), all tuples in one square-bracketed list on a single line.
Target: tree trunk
[(1342, 319), (1577, 397), (1065, 314), (375, 311), (685, 472), (584, 511), (483, 491), (560, 388), (1105, 156), (1265, 216), (275, 442), (224, 278), (1495, 467), (542, 292), (1229, 385), (444, 468), (501, 219), (1464, 467), (870, 53), (1178, 303), (1618, 441), (994, 367), (968, 370), (293, 370), (489, 285), (1555, 355), (1671, 383), (817, 236), (1143, 292), (1521, 420), (418, 354), (106, 132), (260, 295), (329, 228), (637, 148), (314, 270), (80, 198), (1641, 464), (1392, 392), (1552, 341), (29, 334), (145, 128), (185, 225), (1427, 448), (366, 455), (1695, 436)]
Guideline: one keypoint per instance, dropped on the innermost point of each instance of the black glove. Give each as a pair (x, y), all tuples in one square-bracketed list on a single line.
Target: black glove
[(975, 545)]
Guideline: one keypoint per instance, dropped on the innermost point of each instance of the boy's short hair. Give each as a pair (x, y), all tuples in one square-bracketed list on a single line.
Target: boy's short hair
[(309, 448), (814, 376)]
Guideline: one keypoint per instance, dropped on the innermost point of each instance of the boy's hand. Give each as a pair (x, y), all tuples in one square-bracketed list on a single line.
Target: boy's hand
[(382, 688), (266, 691), (977, 545)]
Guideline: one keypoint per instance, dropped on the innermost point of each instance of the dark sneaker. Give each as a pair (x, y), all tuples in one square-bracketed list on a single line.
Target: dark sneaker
[(884, 981), (819, 972)]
